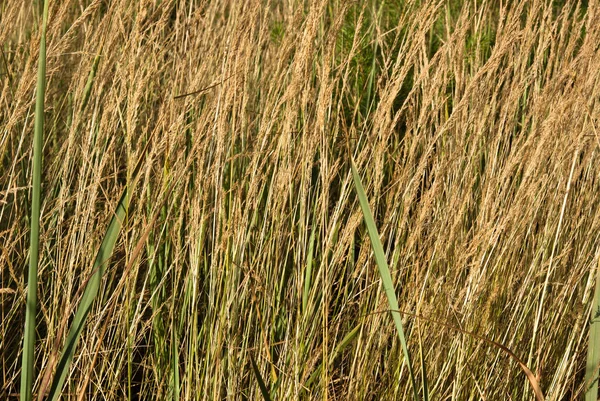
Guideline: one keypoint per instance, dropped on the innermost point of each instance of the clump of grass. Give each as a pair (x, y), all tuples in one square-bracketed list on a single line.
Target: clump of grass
[(464, 117)]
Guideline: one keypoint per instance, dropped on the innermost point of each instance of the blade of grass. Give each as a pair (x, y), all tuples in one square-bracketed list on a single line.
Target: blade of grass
[(27, 369), (309, 262), (175, 366), (259, 379), (423, 369), (336, 352), (384, 270), (87, 299), (593, 357), (88, 86), (93, 285), (533, 381)]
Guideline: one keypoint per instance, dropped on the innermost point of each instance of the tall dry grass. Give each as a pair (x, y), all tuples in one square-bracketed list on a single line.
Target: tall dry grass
[(474, 127)]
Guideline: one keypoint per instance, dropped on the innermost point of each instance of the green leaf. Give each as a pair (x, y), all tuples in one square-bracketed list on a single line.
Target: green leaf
[(91, 290), (309, 262), (93, 283), (593, 357), (336, 352), (27, 369), (261, 383), (384, 271)]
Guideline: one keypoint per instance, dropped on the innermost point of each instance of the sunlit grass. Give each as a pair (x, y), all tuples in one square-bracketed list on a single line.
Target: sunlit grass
[(197, 188)]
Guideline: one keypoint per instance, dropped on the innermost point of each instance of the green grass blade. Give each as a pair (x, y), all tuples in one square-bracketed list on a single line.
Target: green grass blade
[(344, 343), (261, 383), (309, 262), (93, 284), (423, 370), (593, 358), (91, 290), (175, 366), (27, 370), (384, 270), (88, 86), (336, 352)]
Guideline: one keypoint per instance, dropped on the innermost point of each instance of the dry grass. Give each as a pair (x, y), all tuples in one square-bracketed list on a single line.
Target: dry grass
[(474, 127)]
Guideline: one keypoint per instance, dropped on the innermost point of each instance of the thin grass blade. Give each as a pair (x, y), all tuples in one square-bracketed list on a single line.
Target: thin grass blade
[(384, 270), (88, 86), (347, 340), (423, 370), (593, 357), (309, 262), (93, 283), (27, 369), (261, 383), (175, 382)]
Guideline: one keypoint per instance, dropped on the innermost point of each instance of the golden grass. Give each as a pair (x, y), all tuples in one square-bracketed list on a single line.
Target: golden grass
[(475, 130)]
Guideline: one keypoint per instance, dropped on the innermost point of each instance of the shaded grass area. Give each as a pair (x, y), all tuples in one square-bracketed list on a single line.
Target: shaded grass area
[(244, 254)]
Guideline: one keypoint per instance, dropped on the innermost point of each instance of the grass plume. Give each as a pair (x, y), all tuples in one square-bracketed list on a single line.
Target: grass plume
[(472, 124)]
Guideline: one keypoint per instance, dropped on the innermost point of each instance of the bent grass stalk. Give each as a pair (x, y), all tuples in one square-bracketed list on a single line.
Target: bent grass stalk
[(386, 277), (533, 381), (27, 371)]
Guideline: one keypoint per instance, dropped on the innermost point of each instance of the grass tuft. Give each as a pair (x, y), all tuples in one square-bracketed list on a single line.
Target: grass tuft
[(473, 122)]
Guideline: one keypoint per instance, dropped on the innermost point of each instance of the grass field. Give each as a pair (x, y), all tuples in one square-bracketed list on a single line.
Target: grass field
[(204, 234)]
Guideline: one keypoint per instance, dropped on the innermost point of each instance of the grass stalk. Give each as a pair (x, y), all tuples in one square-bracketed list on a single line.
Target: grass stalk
[(27, 370), (593, 356), (384, 271), (261, 383), (92, 286)]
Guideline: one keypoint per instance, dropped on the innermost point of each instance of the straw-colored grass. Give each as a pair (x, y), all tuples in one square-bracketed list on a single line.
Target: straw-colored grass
[(243, 267)]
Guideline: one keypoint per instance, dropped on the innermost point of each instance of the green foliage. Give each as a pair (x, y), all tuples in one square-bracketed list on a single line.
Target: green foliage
[(461, 116), (384, 271), (92, 287), (261, 383), (593, 357), (29, 339)]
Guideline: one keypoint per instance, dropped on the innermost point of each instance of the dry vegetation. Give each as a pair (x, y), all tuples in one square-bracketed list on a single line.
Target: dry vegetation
[(474, 126)]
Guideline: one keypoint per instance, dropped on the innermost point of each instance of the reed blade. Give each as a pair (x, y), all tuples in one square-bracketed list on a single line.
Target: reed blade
[(384, 271), (593, 357), (27, 369)]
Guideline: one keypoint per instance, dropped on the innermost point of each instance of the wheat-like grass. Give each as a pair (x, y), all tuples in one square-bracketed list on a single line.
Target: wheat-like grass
[(472, 124)]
